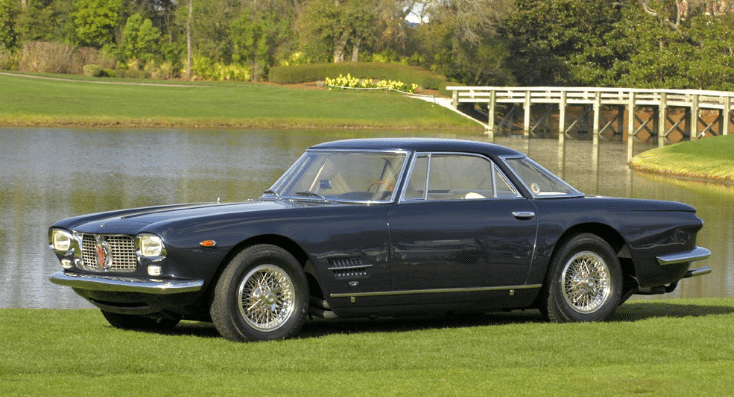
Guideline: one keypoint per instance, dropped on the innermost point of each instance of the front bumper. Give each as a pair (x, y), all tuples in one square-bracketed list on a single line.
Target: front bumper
[(124, 284), (696, 254)]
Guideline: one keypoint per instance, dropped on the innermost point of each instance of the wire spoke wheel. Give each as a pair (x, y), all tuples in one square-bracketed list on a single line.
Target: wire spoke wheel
[(267, 298), (261, 295), (586, 282)]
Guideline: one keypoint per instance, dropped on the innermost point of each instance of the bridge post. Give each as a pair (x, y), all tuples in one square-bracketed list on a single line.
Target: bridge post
[(490, 113), (562, 132), (526, 122), (726, 116), (693, 128), (455, 99), (662, 117), (631, 126), (595, 132)]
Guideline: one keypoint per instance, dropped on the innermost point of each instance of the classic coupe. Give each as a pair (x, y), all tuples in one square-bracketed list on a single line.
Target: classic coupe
[(382, 227)]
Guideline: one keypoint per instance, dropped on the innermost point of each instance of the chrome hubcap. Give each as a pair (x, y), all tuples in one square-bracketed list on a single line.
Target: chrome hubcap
[(586, 282), (266, 297)]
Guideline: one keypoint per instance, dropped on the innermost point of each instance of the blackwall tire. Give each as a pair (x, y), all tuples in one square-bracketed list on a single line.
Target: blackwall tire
[(261, 295), (584, 282)]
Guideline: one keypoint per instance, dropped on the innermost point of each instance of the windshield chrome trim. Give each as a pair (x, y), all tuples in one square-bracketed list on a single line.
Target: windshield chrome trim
[(391, 200), (527, 188)]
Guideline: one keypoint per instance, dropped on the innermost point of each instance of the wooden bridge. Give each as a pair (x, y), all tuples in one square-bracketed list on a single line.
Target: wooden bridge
[(621, 114)]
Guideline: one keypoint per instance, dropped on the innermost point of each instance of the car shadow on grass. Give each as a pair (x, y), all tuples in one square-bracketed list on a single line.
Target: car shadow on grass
[(637, 311), (315, 328)]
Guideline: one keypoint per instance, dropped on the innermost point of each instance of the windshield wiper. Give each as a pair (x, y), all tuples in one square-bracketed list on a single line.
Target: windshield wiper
[(273, 192), (309, 193)]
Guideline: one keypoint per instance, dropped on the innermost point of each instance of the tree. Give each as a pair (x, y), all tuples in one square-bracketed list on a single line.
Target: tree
[(461, 41), (95, 21), (8, 22), (139, 39), (694, 53), (46, 20), (561, 41), (471, 19), (328, 26)]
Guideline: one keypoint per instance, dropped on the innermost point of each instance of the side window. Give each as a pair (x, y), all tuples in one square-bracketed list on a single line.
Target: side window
[(502, 186), (416, 188), (456, 177)]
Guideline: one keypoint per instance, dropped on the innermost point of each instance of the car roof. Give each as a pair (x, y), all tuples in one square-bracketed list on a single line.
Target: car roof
[(419, 145)]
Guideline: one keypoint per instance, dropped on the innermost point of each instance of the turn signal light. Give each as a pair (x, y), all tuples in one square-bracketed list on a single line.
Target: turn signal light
[(208, 243)]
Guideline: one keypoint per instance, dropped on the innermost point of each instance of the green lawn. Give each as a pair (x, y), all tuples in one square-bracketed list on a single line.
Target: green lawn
[(48, 101), (710, 159), (651, 348)]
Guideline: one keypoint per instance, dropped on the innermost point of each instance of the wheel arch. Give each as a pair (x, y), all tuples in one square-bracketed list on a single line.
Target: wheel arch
[(272, 239), (608, 234)]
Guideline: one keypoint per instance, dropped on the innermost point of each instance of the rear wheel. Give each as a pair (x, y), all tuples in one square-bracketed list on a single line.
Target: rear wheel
[(262, 295), (584, 282), (130, 321)]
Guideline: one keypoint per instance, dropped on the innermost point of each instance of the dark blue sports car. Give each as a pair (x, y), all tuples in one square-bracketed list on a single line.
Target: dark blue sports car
[(379, 227)]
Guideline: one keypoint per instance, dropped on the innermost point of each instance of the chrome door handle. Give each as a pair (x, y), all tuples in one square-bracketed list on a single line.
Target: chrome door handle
[(523, 214)]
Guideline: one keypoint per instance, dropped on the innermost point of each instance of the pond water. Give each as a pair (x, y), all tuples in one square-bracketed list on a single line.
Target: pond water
[(50, 174)]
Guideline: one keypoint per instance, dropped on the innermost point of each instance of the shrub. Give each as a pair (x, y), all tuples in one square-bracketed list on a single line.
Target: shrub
[(230, 72), (384, 71), (353, 82), (163, 71), (8, 60), (92, 71), (54, 57), (46, 57)]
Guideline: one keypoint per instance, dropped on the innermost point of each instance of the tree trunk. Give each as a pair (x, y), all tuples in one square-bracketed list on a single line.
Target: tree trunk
[(355, 50), (188, 40), (339, 46)]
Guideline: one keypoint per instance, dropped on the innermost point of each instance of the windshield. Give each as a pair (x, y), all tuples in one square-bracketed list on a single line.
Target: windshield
[(539, 181), (342, 176)]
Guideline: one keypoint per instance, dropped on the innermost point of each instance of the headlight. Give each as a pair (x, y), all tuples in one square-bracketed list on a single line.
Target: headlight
[(60, 240), (150, 246)]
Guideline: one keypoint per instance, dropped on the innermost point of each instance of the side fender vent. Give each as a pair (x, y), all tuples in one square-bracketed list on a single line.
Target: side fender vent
[(348, 267)]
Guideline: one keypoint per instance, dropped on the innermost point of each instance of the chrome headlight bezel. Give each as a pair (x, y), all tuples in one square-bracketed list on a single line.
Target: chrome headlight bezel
[(150, 246), (60, 241)]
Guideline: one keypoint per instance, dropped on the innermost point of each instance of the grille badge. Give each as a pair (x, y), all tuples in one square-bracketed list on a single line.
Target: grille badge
[(102, 253)]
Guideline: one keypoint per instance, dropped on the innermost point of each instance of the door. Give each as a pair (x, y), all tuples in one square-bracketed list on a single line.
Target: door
[(460, 225)]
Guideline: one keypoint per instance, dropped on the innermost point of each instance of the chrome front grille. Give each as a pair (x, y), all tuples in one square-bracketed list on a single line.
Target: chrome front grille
[(120, 249)]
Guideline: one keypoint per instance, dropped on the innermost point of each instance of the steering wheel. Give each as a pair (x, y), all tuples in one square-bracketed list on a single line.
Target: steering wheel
[(389, 187)]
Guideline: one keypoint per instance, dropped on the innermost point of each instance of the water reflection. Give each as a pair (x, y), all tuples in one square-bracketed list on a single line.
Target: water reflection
[(50, 174)]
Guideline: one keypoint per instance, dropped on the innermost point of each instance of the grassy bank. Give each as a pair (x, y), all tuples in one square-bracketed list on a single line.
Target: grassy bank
[(707, 159), (47, 101), (680, 347)]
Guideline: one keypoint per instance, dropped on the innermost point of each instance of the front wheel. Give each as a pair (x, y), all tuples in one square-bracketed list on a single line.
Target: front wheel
[(584, 282), (262, 295)]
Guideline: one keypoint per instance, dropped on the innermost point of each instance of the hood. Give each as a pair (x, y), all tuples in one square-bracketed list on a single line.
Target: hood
[(133, 221)]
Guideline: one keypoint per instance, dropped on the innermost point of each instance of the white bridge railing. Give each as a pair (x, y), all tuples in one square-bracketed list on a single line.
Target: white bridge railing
[(626, 100)]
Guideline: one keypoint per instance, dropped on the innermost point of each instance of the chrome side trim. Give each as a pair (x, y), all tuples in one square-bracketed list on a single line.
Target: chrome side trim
[(696, 254), (436, 291), (122, 284)]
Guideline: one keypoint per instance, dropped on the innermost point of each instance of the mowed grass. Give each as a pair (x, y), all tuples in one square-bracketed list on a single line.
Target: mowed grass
[(58, 101), (650, 348), (708, 159)]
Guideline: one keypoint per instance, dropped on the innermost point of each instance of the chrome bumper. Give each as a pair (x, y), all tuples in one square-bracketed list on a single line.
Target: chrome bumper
[(122, 284), (696, 254)]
